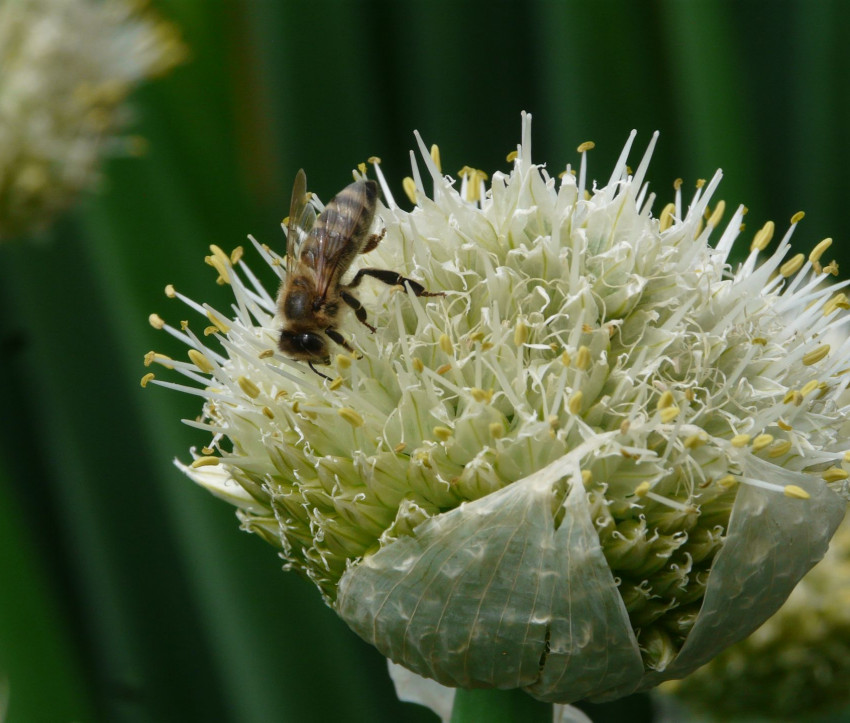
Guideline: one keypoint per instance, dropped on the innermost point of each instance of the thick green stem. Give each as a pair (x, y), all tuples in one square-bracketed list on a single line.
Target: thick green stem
[(499, 706)]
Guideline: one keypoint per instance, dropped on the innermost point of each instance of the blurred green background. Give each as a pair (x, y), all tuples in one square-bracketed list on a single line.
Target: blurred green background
[(126, 593)]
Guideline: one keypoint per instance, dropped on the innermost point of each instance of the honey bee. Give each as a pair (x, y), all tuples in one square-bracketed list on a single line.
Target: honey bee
[(318, 253)]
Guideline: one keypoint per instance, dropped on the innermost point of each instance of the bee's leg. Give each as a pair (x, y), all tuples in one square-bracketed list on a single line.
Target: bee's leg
[(359, 311), (310, 364), (334, 335), (373, 241), (392, 279)]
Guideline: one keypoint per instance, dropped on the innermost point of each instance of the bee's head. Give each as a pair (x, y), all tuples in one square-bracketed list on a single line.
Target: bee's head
[(304, 345)]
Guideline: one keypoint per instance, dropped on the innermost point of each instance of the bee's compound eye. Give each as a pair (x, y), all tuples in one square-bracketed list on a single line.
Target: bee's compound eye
[(302, 344), (311, 343)]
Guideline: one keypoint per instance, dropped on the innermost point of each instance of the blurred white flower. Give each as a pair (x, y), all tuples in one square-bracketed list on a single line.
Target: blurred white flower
[(67, 67), (602, 457)]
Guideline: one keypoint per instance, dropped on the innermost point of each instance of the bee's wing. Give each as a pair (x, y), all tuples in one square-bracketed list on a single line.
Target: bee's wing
[(302, 216), (334, 235)]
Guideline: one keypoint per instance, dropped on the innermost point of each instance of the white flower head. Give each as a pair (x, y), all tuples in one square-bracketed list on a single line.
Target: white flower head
[(601, 457), (67, 67)]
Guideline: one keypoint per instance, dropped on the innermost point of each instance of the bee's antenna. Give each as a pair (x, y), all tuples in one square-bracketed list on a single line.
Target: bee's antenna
[(310, 364)]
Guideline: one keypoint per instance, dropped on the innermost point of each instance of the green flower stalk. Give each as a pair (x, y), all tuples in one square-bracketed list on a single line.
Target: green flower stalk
[(67, 68), (600, 458), (794, 667)]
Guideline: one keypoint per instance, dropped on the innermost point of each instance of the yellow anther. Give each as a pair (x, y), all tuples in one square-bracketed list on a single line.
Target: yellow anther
[(343, 361), (220, 261), (586, 477), (374, 160), (797, 217), (665, 221), (205, 462), (520, 333), (474, 178), (446, 344), (481, 395), (350, 416), (760, 340), (435, 156), (200, 361), (727, 482), (783, 425), (444, 434), (282, 394), (170, 291), (574, 405), (155, 320), (665, 400), (496, 430), (625, 426), (792, 266), (409, 186), (819, 250), (762, 441), (715, 217), (642, 489), (831, 268), (236, 255), (740, 440), (218, 323), (362, 167), (565, 358), (779, 448), (161, 359), (265, 354), (417, 365), (399, 448), (207, 450), (795, 492), (335, 384), (809, 387), (669, 414), (815, 355), (487, 345), (586, 146), (476, 336), (247, 386), (184, 324), (834, 474), (583, 358), (695, 440), (146, 378), (847, 457), (443, 369), (700, 182), (763, 237), (677, 184), (268, 412), (839, 301), (211, 330), (512, 156)]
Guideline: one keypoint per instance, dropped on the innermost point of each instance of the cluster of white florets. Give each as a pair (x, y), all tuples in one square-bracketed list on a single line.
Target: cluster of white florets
[(67, 67), (597, 385)]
